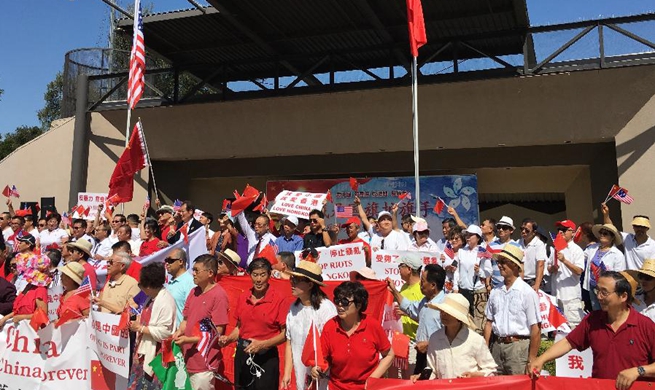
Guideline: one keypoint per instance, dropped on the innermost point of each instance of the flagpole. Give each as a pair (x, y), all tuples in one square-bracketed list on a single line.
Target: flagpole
[(152, 172), (127, 127), (417, 189)]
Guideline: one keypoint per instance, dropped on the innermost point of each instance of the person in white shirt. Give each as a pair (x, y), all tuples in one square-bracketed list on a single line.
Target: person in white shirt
[(565, 273), (474, 277), (603, 256), (512, 316), (638, 245), (7, 231), (421, 241), (446, 225), (79, 231), (387, 238), (504, 228), (258, 237), (133, 222), (52, 234), (451, 264), (534, 250), (29, 226), (455, 350), (102, 250), (645, 302), (124, 233)]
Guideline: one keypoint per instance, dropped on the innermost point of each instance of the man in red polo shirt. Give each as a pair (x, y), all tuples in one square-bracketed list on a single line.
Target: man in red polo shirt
[(352, 229), (622, 340)]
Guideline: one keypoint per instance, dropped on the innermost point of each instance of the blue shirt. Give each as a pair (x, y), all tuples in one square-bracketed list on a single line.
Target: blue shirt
[(180, 289), (429, 320), (292, 244)]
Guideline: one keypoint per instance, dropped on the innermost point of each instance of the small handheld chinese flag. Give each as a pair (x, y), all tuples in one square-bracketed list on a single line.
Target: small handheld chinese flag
[(67, 315), (262, 204), (250, 191), (354, 184), (416, 24), (312, 353), (405, 195), (439, 206), (7, 191), (329, 197), (39, 319), (269, 254), (167, 351), (226, 205), (400, 345), (124, 322)]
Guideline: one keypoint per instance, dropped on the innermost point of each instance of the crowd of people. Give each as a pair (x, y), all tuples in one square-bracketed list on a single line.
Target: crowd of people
[(475, 312)]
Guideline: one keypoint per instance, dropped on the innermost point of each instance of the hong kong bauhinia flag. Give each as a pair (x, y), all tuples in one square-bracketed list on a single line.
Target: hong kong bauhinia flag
[(133, 159)]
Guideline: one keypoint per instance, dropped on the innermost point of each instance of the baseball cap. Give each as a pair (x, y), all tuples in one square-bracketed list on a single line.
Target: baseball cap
[(567, 223), (412, 261), (350, 221)]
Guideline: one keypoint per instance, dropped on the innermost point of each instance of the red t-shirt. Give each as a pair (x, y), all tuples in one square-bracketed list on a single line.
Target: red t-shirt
[(632, 345), (263, 319), (353, 358), (90, 271), (212, 304), (164, 231), (26, 303), (149, 247), (75, 303)]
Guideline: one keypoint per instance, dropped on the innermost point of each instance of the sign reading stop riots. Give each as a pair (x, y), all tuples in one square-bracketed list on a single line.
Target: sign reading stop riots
[(298, 204), (338, 260), (109, 343), (385, 263)]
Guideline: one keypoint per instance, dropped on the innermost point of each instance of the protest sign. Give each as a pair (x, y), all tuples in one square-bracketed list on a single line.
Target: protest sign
[(296, 203), (53, 359), (574, 364), (110, 344), (385, 263), (55, 291), (551, 319), (338, 260), (91, 200)]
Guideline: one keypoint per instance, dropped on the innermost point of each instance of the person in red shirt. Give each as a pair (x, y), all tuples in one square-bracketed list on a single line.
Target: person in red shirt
[(150, 240), (261, 326), (72, 275), (207, 300), (352, 229), (621, 339), (35, 271), (352, 342), (164, 215)]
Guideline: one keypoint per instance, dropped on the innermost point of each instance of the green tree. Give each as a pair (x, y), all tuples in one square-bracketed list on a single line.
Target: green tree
[(53, 96), (22, 135)]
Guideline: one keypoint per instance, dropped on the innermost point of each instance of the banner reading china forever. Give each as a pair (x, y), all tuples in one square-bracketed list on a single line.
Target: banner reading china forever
[(381, 193)]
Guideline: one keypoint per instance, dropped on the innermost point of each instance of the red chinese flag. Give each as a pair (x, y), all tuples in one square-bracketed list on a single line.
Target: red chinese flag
[(236, 194), (167, 351), (269, 254), (578, 235), (124, 322), (250, 191), (400, 345), (329, 197), (242, 203), (416, 24), (262, 204), (226, 205), (312, 353), (354, 184), (67, 315), (405, 195), (39, 319), (133, 159), (439, 206), (6, 192), (560, 242)]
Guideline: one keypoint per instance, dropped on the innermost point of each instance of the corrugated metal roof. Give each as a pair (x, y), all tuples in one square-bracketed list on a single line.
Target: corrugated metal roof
[(250, 36)]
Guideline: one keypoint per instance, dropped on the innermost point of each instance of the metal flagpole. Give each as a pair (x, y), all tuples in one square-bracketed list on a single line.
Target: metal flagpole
[(127, 128), (152, 172), (417, 189)]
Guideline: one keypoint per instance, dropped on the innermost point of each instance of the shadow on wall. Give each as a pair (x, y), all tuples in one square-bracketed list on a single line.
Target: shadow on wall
[(634, 149)]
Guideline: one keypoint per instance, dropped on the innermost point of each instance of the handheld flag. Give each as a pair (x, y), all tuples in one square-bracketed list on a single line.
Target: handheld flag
[(133, 159), (559, 242), (7, 191), (448, 251), (236, 194), (226, 205), (185, 232), (86, 212), (136, 77), (483, 253), (416, 24), (400, 344), (146, 204), (555, 318), (177, 205), (250, 191), (405, 195), (329, 197), (167, 351), (312, 353), (85, 288), (67, 315), (439, 206), (39, 319), (269, 253), (124, 321), (14, 192), (207, 332), (354, 184), (262, 204), (612, 192), (578, 235), (65, 219), (622, 196), (343, 211), (242, 202)]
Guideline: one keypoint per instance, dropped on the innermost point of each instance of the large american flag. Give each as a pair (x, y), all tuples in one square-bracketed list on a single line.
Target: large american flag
[(344, 211), (136, 80), (207, 333)]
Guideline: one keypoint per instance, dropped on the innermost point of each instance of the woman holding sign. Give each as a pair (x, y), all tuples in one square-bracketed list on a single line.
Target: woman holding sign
[(311, 308)]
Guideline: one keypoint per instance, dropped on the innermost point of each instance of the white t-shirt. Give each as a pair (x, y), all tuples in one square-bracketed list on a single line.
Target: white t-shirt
[(648, 311), (512, 311), (534, 251), (566, 284), (48, 237), (468, 258), (636, 254), (7, 232), (393, 241)]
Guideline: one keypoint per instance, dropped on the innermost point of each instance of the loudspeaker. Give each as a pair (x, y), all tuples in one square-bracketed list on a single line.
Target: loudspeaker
[(47, 204)]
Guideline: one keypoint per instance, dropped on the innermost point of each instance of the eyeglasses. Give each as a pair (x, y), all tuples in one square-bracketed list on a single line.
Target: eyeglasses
[(525, 229), (313, 220), (196, 270), (117, 221), (110, 262), (504, 227), (170, 260), (77, 227), (603, 293), (41, 225), (343, 302)]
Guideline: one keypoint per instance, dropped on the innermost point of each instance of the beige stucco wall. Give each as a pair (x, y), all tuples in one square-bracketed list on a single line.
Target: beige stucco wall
[(41, 167)]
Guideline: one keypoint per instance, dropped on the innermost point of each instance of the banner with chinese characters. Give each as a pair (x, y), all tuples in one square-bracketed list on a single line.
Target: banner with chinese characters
[(91, 200), (338, 260), (297, 203), (110, 344), (52, 359), (574, 364), (385, 263), (381, 193), (55, 291)]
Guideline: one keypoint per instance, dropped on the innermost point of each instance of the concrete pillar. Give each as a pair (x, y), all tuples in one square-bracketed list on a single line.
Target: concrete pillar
[(80, 159)]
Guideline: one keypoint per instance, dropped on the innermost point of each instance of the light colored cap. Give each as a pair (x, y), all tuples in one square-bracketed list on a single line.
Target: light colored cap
[(473, 229)]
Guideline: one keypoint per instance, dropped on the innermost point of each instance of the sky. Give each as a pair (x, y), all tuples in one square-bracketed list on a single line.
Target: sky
[(35, 35)]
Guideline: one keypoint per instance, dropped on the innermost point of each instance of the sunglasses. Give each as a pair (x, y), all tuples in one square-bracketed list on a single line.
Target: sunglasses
[(170, 260), (313, 220), (605, 233), (524, 229), (504, 227), (42, 225), (343, 302)]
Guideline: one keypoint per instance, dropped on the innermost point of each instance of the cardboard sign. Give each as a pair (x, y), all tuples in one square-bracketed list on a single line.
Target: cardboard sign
[(91, 200), (298, 204), (574, 364), (338, 260), (385, 263), (110, 344)]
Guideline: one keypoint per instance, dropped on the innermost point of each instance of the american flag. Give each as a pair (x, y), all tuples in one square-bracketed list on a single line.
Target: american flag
[(136, 80), (85, 288), (622, 196), (448, 251), (65, 219), (14, 192), (207, 332), (146, 205), (177, 205), (483, 253), (344, 211)]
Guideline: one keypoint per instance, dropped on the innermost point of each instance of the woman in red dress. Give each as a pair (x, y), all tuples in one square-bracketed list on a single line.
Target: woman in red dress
[(72, 275)]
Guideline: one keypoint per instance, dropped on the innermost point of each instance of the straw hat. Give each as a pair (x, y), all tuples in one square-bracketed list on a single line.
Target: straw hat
[(648, 268), (230, 256), (81, 244), (641, 220), (309, 270), (631, 277), (618, 238), (365, 273), (73, 270), (457, 306), (513, 253)]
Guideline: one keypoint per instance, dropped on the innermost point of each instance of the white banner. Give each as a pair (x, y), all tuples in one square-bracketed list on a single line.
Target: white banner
[(196, 247), (55, 291), (53, 359), (91, 200), (111, 345), (574, 364), (298, 204), (385, 263), (338, 260), (545, 302)]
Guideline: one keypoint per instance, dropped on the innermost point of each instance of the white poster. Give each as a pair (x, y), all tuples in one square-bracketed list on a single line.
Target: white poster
[(55, 291), (91, 200), (574, 364), (338, 260), (53, 359), (385, 263), (298, 204), (111, 345)]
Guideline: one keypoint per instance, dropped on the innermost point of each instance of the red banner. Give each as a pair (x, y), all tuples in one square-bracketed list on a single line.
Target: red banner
[(515, 382), (236, 285)]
